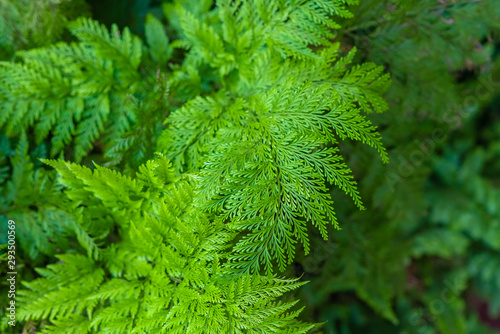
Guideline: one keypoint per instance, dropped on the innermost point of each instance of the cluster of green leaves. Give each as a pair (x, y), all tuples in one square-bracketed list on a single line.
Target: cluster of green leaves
[(259, 100), (251, 104), (58, 102), (78, 93), (161, 271)]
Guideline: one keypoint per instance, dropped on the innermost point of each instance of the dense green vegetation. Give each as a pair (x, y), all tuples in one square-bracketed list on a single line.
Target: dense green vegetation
[(283, 166)]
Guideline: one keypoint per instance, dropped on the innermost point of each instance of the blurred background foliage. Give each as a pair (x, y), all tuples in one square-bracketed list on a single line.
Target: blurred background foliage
[(425, 255)]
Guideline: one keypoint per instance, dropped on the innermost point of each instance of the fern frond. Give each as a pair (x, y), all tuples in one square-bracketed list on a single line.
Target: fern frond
[(167, 265), (269, 162)]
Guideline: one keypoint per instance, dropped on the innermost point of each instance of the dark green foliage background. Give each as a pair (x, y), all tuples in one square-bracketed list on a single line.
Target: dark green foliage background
[(424, 257)]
